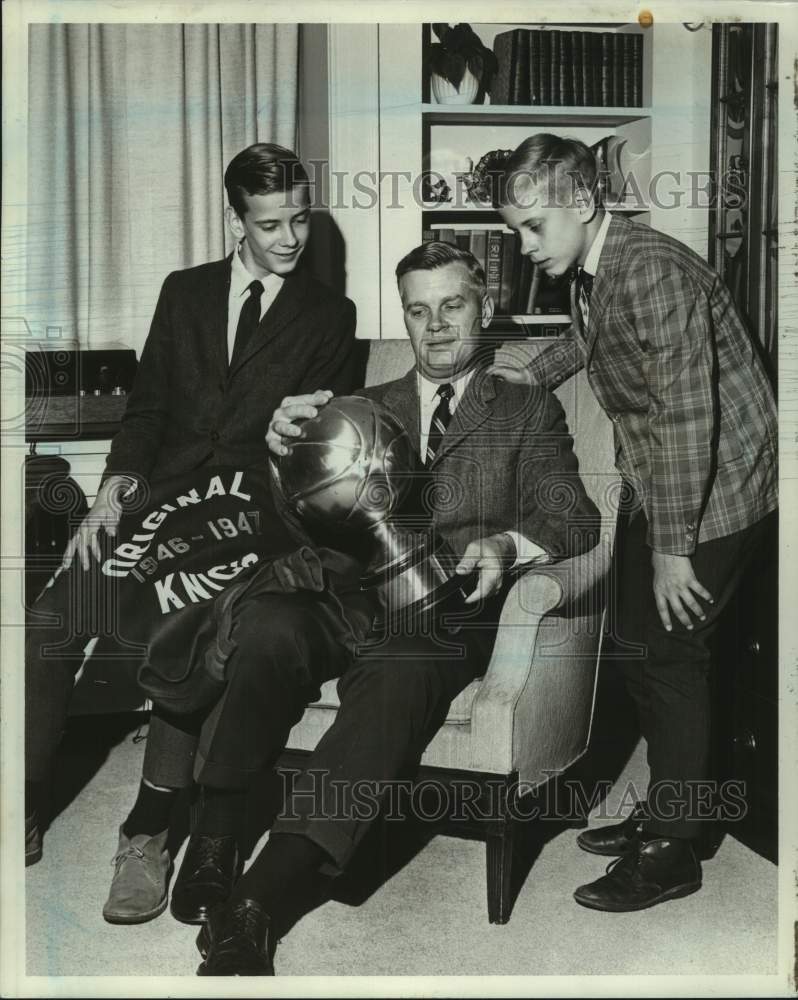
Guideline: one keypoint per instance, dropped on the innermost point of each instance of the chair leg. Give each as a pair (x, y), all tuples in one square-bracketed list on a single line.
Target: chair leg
[(499, 860)]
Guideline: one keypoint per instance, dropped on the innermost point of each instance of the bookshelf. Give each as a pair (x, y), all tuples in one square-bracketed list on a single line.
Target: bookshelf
[(418, 136)]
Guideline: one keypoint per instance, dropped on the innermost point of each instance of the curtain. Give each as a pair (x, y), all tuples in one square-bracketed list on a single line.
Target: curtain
[(130, 128)]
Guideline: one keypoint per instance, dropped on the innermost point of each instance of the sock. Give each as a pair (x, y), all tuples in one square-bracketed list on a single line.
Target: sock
[(283, 874), (222, 812), (151, 811)]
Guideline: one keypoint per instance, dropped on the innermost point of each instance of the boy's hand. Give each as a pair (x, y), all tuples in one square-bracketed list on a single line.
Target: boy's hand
[(282, 429), (105, 513), (675, 587)]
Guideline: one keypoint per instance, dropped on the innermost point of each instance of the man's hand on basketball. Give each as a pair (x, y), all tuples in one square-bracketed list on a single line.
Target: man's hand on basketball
[(491, 557), (105, 513), (282, 429)]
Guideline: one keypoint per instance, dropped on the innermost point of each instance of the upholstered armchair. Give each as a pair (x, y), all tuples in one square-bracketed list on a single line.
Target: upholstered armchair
[(529, 716)]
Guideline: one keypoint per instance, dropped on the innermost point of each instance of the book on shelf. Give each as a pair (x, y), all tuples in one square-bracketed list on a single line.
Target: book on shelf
[(577, 77), (542, 69), (479, 245), (618, 55), (533, 287), (554, 68), (511, 82), (637, 70), (606, 69), (510, 273), (558, 68), (587, 71), (564, 68), (493, 263), (552, 296), (515, 284), (535, 80)]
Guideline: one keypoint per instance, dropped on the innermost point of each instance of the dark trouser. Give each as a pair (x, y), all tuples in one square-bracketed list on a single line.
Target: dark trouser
[(78, 606), (284, 652), (670, 683), (394, 697)]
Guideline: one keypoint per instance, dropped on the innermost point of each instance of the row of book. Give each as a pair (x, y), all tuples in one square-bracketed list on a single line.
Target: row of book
[(568, 68), (515, 284)]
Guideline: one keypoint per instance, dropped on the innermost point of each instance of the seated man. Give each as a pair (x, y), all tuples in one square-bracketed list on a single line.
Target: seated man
[(494, 443)]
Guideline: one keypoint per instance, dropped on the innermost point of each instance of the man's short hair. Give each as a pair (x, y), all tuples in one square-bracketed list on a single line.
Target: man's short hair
[(262, 168), (430, 256), (565, 166)]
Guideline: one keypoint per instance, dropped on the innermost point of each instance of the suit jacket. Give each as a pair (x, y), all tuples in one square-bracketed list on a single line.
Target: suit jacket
[(187, 409), (672, 363), (506, 463)]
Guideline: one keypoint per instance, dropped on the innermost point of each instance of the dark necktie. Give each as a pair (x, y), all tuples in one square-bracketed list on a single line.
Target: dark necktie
[(440, 421), (248, 319)]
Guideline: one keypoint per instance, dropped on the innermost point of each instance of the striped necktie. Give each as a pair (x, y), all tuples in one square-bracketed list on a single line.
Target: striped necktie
[(440, 421), (584, 286)]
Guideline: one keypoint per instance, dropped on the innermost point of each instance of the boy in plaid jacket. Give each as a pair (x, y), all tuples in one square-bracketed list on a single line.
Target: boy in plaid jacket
[(672, 364)]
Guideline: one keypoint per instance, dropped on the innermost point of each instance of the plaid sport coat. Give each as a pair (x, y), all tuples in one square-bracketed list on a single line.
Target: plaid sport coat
[(673, 365)]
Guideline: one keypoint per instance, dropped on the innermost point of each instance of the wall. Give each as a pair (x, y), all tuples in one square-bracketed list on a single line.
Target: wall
[(680, 130)]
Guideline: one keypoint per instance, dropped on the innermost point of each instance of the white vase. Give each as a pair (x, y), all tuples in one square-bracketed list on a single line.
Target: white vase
[(445, 93)]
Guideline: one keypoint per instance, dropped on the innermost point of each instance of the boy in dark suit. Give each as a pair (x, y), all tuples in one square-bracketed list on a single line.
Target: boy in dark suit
[(673, 365), (227, 342), (489, 445)]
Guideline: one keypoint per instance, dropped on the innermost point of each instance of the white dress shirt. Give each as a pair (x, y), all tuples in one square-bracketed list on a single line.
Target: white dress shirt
[(240, 280), (592, 262), (526, 550)]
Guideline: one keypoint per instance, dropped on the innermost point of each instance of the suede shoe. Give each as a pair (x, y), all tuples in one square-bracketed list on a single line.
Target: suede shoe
[(618, 838), (661, 869), (140, 886), (33, 840), (235, 941), (210, 867)]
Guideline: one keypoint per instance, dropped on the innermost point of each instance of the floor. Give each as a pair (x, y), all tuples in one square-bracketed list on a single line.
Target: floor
[(428, 918)]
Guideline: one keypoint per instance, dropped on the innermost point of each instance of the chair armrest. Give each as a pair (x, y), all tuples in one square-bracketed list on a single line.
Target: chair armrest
[(582, 580), (531, 597), (542, 609)]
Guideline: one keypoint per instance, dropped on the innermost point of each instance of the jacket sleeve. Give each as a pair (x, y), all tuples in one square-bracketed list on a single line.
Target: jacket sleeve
[(558, 362), (673, 321), (136, 444), (335, 367), (554, 511)]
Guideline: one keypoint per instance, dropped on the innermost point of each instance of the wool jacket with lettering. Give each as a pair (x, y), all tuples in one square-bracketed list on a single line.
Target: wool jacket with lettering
[(206, 543)]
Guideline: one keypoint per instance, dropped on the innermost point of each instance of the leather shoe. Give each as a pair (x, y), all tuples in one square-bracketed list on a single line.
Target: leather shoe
[(140, 886), (618, 838), (206, 877), (236, 941), (33, 840), (654, 872)]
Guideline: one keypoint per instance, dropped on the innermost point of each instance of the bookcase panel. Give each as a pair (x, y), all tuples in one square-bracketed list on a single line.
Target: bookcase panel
[(419, 136)]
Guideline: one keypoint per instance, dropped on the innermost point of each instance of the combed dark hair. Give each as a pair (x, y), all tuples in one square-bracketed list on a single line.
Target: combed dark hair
[(262, 168), (565, 165), (430, 256)]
